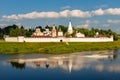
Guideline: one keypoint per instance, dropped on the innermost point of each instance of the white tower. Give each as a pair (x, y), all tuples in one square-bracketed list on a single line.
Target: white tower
[(70, 65), (54, 31), (70, 30)]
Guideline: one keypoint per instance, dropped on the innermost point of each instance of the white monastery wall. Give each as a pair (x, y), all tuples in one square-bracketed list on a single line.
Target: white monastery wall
[(41, 40), (59, 39), (11, 39), (102, 39)]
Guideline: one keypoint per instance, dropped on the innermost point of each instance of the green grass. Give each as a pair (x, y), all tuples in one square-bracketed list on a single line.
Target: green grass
[(55, 48), (2, 40)]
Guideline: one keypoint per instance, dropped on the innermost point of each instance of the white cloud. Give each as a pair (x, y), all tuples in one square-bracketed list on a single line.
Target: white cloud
[(3, 25), (92, 21), (65, 7), (95, 22), (74, 13), (33, 15), (106, 25), (18, 24), (13, 16), (98, 12), (86, 25), (113, 21), (79, 14), (64, 14), (112, 11)]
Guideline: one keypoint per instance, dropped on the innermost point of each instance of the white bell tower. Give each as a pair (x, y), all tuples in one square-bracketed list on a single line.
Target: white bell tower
[(70, 29)]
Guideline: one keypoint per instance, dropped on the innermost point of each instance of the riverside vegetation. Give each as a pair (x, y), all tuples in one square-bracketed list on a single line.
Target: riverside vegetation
[(55, 48)]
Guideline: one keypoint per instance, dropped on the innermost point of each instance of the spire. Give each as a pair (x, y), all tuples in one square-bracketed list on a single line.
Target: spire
[(54, 27), (70, 30)]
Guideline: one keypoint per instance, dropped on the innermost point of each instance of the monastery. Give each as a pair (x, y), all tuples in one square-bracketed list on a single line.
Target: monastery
[(54, 33), (57, 36)]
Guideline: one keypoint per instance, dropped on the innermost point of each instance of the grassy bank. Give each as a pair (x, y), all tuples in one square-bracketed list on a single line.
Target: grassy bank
[(2, 40), (12, 47)]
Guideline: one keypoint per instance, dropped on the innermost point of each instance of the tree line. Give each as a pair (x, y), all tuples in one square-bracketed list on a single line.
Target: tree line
[(14, 31)]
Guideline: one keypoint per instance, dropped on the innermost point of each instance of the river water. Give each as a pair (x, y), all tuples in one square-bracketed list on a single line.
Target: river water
[(94, 65)]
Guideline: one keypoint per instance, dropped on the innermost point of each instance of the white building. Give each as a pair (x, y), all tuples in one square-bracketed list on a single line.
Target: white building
[(37, 32), (78, 35), (60, 33)]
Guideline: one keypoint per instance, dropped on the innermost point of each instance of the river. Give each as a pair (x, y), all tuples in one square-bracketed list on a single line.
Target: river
[(92, 65)]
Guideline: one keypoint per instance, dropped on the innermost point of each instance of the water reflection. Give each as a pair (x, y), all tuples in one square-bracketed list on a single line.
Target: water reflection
[(18, 65), (97, 60), (96, 65)]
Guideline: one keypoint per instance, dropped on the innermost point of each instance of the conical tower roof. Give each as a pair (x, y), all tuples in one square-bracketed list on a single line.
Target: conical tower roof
[(70, 29)]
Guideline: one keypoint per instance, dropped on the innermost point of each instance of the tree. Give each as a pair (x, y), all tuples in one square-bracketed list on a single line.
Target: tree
[(116, 37), (74, 32), (67, 34), (63, 28), (8, 29), (14, 32), (1, 33)]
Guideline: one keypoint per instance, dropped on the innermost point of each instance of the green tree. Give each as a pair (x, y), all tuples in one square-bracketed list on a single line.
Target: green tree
[(14, 32), (115, 35), (67, 34), (8, 29), (1, 33), (74, 32), (63, 28)]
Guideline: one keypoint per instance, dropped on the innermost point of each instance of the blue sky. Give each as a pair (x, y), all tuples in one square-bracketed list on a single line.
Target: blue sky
[(102, 14)]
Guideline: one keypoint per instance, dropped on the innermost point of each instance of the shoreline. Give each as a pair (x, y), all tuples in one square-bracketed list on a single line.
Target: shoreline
[(55, 48)]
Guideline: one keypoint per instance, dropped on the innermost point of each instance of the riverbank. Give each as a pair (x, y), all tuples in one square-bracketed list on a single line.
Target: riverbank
[(55, 48)]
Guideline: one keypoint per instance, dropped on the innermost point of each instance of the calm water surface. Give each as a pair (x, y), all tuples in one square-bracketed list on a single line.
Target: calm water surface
[(96, 65)]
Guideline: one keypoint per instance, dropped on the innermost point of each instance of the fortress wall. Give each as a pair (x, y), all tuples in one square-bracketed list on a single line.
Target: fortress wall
[(22, 39), (41, 40), (102, 39), (11, 39)]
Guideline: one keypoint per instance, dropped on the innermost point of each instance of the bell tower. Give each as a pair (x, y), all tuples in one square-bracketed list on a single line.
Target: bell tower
[(54, 31), (70, 29)]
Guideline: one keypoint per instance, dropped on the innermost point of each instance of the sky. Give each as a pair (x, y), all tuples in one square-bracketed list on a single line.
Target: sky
[(102, 14)]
